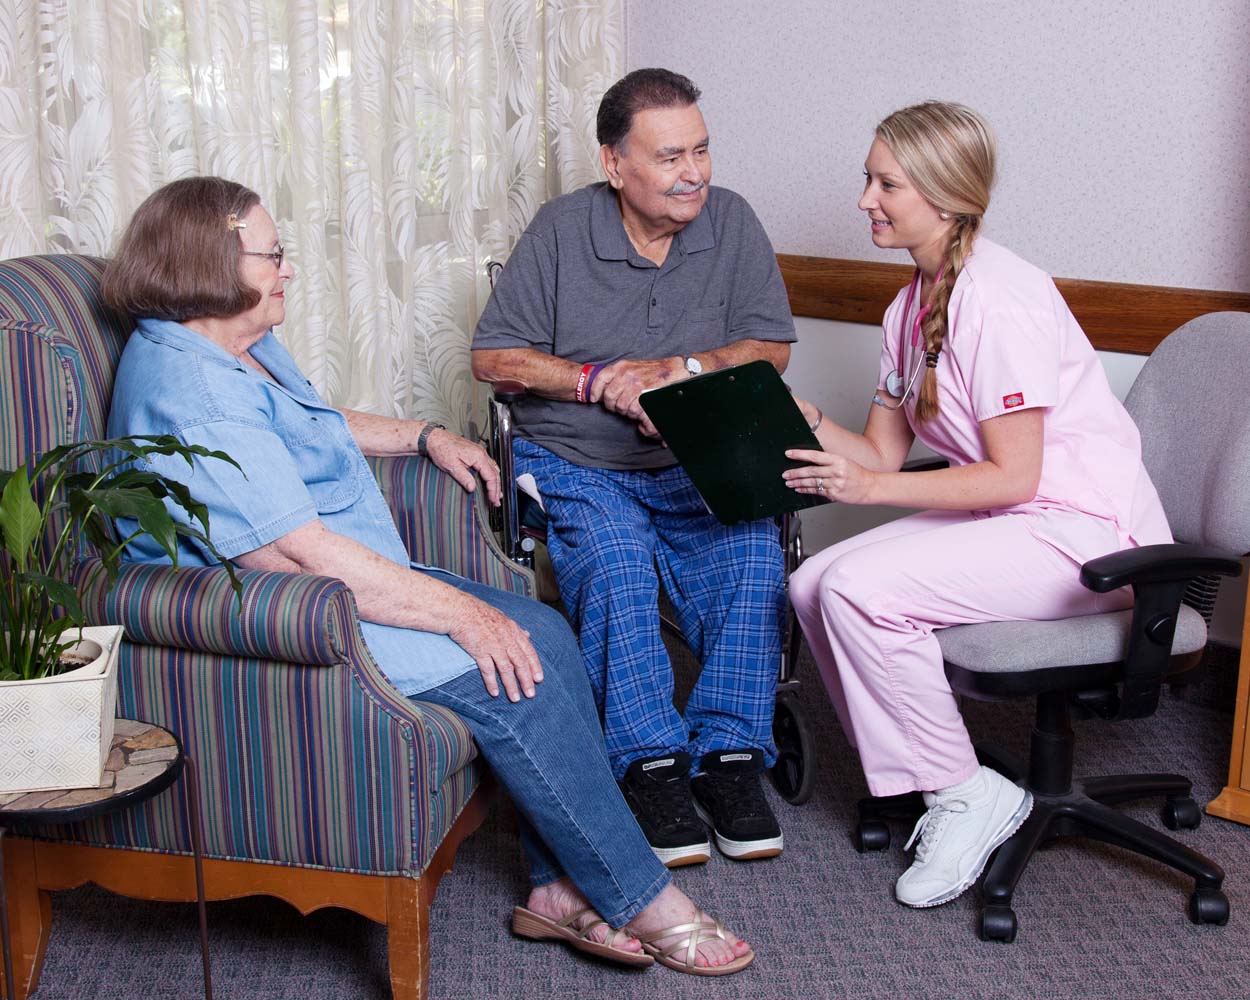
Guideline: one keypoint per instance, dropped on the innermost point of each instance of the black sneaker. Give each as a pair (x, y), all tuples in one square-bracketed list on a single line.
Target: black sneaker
[(658, 791), (729, 797)]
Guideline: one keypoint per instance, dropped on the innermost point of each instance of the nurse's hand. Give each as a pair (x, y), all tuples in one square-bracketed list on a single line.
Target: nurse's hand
[(500, 646), (459, 458), (830, 476)]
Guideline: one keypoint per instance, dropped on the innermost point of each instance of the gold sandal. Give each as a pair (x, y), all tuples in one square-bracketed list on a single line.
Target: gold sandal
[(528, 924), (696, 933)]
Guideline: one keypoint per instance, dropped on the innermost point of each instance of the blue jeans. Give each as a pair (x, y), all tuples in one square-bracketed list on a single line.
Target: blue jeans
[(547, 752)]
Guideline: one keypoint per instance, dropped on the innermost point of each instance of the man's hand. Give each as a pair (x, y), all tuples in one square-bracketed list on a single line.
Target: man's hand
[(620, 384), (458, 457), (500, 646)]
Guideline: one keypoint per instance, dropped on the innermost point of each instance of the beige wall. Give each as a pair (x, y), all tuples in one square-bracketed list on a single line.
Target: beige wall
[(1123, 125)]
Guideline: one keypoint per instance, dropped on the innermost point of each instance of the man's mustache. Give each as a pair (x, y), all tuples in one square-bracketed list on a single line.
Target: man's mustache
[(681, 187)]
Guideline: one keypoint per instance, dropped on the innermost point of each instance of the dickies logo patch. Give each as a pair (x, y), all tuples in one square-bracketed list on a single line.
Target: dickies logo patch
[(1010, 402)]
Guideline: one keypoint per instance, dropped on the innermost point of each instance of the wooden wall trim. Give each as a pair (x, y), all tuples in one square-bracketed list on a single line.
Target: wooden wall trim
[(1115, 316)]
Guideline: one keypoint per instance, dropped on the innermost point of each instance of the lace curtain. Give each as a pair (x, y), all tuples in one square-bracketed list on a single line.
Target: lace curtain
[(399, 144)]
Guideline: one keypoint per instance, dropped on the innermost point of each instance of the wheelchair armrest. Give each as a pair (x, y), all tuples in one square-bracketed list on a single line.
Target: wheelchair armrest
[(1172, 563), (508, 391)]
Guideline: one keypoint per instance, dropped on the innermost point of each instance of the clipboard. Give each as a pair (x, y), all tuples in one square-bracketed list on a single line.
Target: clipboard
[(730, 429)]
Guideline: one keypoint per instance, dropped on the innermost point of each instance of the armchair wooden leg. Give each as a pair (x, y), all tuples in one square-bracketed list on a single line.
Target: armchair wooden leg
[(408, 938), (30, 916), (408, 902)]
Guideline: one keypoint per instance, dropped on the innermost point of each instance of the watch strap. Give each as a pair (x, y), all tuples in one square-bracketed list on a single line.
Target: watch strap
[(424, 437)]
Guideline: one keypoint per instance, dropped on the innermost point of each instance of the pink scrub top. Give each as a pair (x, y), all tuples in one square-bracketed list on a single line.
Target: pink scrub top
[(1013, 344)]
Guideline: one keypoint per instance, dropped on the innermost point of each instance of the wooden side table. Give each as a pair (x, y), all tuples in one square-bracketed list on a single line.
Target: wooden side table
[(144, 761)]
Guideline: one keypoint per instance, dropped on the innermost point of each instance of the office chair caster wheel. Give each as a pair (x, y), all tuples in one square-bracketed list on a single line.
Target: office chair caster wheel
[(794, 773), (871, 835), (1208, 906), (998, 923), (1181, 813)]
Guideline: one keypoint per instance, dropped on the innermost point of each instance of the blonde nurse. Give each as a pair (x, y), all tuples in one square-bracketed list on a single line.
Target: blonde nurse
[(983, 362)]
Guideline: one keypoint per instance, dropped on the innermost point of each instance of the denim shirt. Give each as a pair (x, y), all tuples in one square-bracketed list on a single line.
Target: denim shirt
[(299, 460)]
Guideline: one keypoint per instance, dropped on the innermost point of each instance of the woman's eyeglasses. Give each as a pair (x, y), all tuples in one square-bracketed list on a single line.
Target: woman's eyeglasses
[(274, 255)]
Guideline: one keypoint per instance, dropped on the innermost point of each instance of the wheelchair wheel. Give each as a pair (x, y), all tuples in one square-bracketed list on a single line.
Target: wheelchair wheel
[(793, 774)]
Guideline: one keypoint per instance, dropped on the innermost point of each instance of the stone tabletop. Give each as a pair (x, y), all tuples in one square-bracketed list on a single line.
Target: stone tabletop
[(141, 752)]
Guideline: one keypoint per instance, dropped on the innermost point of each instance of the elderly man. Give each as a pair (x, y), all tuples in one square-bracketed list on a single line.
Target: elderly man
[(651, 277)]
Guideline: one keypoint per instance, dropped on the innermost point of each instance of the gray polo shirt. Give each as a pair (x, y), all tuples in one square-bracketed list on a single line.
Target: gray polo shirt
[(575, 287)]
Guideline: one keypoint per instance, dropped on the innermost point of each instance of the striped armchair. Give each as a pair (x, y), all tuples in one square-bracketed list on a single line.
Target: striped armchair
[(318, 783)]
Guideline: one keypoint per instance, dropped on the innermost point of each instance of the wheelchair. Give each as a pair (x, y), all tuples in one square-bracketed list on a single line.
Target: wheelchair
[(522, 528)]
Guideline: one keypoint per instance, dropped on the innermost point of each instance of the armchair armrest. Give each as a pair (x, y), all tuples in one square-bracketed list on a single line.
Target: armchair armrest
[(306, 754), (442, 525), (1155, 564), (287, 617)]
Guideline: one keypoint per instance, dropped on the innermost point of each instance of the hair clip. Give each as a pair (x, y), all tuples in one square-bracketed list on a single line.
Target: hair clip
[(931, 359), (233, 222)]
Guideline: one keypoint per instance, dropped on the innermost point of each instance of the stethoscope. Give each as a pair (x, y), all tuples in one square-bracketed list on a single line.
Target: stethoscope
[(894, 384)]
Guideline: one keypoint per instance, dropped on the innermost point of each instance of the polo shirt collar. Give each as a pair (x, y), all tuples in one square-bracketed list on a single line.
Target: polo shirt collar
[(608, 236)]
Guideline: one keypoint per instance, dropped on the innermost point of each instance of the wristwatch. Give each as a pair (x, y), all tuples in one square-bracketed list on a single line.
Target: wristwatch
[(694, 366), (424, 436)]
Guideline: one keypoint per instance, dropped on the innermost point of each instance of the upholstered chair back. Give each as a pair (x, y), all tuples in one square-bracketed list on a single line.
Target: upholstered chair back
[(1196, 445), (59, 348)]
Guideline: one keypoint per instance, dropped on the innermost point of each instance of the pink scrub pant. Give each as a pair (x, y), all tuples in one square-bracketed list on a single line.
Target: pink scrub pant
[(869, 607)]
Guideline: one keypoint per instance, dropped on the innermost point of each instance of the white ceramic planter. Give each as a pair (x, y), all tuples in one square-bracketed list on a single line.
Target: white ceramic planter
[(55, 732)]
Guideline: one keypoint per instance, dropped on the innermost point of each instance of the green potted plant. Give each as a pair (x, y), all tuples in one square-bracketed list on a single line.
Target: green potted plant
[(58, 675)]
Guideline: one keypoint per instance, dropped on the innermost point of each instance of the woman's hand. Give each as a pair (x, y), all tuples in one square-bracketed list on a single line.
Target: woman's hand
[(831, 476), (500, 646), (459, 457)]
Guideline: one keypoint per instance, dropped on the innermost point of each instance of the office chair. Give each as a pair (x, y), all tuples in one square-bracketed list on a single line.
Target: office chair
[(522, 527), (1189, 403)]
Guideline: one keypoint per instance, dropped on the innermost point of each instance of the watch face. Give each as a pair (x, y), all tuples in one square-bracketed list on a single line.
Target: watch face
[(693, 366)]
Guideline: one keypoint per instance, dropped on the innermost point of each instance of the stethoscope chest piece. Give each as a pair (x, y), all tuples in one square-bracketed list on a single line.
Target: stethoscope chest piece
[(894, 384)]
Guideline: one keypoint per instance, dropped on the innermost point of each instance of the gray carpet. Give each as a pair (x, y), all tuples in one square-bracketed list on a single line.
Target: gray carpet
[(1095, 922)]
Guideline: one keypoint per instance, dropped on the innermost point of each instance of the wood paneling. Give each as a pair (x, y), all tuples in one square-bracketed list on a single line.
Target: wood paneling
[(1115, 317)]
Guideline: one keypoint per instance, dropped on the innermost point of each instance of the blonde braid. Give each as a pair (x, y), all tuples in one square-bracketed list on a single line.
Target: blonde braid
[(935, 322)]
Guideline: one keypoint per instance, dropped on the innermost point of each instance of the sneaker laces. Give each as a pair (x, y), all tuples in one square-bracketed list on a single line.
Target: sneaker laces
[(930, 826), (740, 793), (667, 802)]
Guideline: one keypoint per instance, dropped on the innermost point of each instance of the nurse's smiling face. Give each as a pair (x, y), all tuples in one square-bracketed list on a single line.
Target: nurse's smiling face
[(900, 217)]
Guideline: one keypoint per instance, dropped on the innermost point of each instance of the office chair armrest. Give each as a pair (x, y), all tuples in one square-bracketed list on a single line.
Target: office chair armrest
[(1159, 576), (925, 463), (1146, 564)]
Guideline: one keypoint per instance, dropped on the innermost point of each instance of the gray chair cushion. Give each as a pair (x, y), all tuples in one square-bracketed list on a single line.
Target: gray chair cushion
[(1015, 647)]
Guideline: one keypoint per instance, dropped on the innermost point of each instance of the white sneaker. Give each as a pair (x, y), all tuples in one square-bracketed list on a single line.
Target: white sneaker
[(962, 828)]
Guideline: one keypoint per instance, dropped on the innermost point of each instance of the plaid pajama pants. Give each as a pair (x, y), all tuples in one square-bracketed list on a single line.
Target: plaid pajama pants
[(613, 537)]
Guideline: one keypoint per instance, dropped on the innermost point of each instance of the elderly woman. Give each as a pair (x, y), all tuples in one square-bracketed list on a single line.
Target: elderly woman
[(201, 269)]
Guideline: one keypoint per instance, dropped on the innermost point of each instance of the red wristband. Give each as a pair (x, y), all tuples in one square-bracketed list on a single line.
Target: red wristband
[(580, 392)]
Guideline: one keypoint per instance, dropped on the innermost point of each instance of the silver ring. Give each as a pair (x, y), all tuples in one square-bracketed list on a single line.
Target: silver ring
[(820, 486)]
